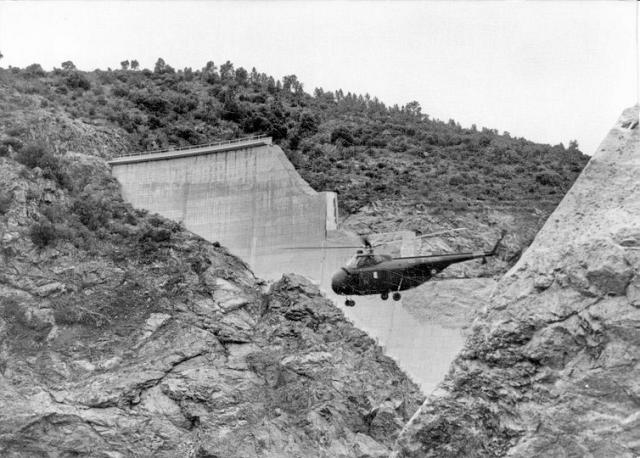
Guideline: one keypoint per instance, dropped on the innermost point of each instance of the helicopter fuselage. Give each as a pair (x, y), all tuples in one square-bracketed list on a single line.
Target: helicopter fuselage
[(390, 275)]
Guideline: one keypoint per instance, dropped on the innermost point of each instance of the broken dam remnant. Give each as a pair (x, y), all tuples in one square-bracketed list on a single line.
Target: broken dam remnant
[(242, 193)]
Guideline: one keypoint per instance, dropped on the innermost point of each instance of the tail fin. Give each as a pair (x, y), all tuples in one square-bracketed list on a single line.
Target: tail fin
[(494, 250)]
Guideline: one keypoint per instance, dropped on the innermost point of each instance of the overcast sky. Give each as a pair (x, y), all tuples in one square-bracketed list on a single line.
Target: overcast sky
[(548, 71)]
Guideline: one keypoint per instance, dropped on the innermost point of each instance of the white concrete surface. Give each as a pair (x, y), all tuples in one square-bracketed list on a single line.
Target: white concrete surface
[(247, 197)]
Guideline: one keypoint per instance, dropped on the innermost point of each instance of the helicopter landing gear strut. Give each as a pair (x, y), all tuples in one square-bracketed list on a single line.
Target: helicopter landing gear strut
[(384, 296), (396, 296), (349, 303)]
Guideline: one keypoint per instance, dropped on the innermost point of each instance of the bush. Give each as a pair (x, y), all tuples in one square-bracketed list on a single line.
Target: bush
[(548, 178), (77, 81), (42, 234), (13, 143), (456, 180), (342, 135), (11, 311), (92, 213), (15, 131), (5, 202), (34, 71), (36, 156)]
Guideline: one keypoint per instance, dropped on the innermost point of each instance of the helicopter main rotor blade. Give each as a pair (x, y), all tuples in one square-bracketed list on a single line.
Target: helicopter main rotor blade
[(432, 234), (323, 247)]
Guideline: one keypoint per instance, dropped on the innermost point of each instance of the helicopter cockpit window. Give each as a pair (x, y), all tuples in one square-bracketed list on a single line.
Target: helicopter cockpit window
[(368, 260), (353, 262)]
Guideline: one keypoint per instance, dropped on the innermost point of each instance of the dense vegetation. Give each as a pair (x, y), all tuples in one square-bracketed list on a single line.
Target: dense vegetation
[(354, 144)]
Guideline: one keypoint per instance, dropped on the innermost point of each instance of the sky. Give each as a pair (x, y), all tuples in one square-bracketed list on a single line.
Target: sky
[(548, 71)]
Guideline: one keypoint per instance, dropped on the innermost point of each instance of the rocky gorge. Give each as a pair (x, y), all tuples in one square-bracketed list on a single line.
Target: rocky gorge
[(122, 334)]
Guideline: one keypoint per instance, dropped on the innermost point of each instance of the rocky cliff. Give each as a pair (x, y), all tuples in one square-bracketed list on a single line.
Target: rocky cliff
[(551, 367), (122, 334)]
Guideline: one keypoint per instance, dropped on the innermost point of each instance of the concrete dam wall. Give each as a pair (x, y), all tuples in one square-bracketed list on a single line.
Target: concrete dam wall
[(244, 194)]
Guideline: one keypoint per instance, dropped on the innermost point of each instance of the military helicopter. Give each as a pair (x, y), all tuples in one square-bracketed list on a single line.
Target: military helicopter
[(369, 273)]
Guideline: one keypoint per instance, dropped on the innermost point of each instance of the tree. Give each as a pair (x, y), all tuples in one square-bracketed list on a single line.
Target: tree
[(288, 82), (68, 66), (573, 145), (226, 71), (254, 78), (162, 67), (159, 66), (209, 73), (34, 70), (271, 85), (242, 76), (134, 64), (413, 108), (1, 55), (124, 64)]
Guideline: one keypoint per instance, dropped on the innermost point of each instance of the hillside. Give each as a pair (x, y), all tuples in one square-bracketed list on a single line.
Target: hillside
[(551, 366), (122, 334), (350, 143)]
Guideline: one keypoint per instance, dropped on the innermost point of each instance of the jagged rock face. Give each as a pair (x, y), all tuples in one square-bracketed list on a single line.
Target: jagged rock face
[(136, 338), (450, 303), (551, 368)]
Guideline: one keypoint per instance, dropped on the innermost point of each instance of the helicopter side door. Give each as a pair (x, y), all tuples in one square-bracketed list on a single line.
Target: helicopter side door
[(366, 281), (372, 281)]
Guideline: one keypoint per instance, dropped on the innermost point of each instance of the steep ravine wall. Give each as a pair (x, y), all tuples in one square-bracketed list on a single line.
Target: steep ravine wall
[(133, 338), (551, 367)]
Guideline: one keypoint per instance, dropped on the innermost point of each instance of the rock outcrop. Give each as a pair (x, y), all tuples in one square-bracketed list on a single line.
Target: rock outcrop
[(122, 334), (551, 367)]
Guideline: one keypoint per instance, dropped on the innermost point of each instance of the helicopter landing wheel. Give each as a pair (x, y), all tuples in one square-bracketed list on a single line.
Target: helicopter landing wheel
[(384, 296), (349, 302), (396, 296)]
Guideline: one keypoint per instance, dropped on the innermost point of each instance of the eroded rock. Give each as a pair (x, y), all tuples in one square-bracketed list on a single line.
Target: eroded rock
[(550, 369)]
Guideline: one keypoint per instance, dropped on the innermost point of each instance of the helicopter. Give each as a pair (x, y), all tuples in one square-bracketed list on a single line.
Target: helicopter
[(368, 273)]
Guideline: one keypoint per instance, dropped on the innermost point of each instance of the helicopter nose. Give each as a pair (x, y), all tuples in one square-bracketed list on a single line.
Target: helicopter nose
[(338, 282)]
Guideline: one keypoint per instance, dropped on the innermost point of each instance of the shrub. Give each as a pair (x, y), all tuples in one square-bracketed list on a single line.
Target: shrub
[(34, 71), (55, 213), (13, 143), (456, 180), (155, 235), (5, 202), (77, 81), (342, 135), (42, 234), (93, 213), (10, 310), (36, 156), (15, 131), (548, 178)]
